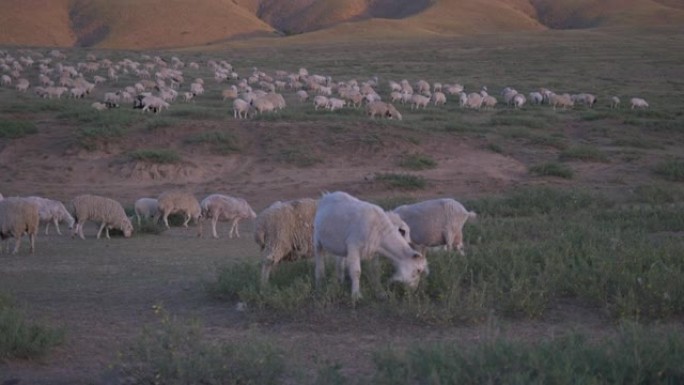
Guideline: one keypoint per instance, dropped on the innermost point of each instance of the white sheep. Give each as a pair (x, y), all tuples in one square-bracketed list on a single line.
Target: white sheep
[(614, 102), (586, 99), (230, 93), (536, 98), (436, 222), (171, 202), (563, 100), (439, 98), (6, 80), (638, 103), (241, 109), (320, 101), (223, 207), (382, 109), (19, 216), (22, 85), (146, 208), (335, 104), (302, 95), (353, 230), (518, 100), (263, 104), (154, 103), (96, 208), (284, 231), (418, 101), (99, 106), (474, 100), (52, 211), (489, 102)]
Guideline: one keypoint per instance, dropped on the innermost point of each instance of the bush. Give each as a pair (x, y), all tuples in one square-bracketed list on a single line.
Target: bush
[(552, 169), (173, 352), (585, 153), (417, 162), (19, 339), (13, 129), (221, 143), (402, 181), (160, 156), (671, 169)]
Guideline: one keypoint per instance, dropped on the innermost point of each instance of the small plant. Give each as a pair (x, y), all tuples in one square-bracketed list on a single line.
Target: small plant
[(159, 156), (20, 339), (13, 129), (221, 143), (585, 153), (155, 124), (402, 181), (299, 157), (148, 226), (671, 169), (417, 162), (91, 137), (175, 352), (552, 169)]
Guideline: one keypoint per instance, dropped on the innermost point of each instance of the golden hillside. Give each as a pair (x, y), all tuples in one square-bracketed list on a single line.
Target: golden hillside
[(139, 24)]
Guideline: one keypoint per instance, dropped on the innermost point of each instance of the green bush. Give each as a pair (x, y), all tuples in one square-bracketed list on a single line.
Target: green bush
[(13, 129), (20, 339), (552, 169), (221, 143), (160, 156), (585, 153), (417, 162), (671, 169), (402, 181)]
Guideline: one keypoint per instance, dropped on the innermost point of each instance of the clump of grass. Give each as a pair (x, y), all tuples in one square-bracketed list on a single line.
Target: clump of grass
[(552, 169), (176, 352), (91, 137), (495, 147), (20, 339), (159, 156), (584, 153), (417, 162), (222, 143), (299, 157), (671, 169), (402, 181), (148, 226), (12, 129), (155, 124), (635, 356)]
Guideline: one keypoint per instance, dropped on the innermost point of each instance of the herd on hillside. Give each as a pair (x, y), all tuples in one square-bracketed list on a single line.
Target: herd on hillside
[(337, 223), (157, 82)]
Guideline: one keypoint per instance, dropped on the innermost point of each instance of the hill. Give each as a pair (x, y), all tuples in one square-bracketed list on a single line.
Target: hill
[(144, 24)]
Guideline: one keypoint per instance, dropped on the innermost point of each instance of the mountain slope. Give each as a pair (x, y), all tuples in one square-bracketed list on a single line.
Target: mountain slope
[(36, 22)]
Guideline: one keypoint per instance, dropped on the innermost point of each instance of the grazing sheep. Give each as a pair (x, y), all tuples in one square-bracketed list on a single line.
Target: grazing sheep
[(614, 102), (518, 100), (439, 98), (19, 216), (320, 101), (418, 101), (564, 101), (436, 222), (22, 85), (638, 103), (508, 94), (51, 211), (474, 100), (489, 102), (99, 106), (335, 104), (302, 95), (262, 105), (230, 93), (6, 80), (284, 231), (95, 208), (353, 230), (146, 208), (154, 103), (241, 109), (218, 206), (536, 98), (586, 99), (382, 109), (172, 202)]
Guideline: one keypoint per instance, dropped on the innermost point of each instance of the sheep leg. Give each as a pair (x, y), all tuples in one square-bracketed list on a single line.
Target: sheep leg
[(376, 272), (80, 231), (99, 232), (214, 220), (107, 232), (138, 216), (187, 220), (319, 270), (354, 267), (233, 228), (32, 241), (340, 268), (56, 227), (16, 245), (166, 220), (266, 267)]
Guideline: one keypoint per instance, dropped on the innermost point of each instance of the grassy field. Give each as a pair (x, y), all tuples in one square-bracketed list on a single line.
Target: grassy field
[(573, 273)]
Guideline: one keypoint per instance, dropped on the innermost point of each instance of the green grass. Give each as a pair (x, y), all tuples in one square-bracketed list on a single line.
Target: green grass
[(584, 153), (222, 143), (634, 357), (299, 157), (401, 181), (417, 162), (12, 129), (176, 352), (159, 156), (552, 169), (671, 169), (22, 339)]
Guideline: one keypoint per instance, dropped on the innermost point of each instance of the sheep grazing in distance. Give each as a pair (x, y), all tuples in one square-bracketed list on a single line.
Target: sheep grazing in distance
[(284, 232), (320, 101), (96, 208), (335, 104), (52, 211), (99, 106), (383, 110), (230, 93), (19, 216), (262, 105), (614, 102), (564, 101), (436, 222), (6, 80), (218, 206), (489, 102), (519, 100), (586, 99), (438, 97), (146, 208), (302, 95), (474, 100), (638, 103), (172, 202), (535, 98), (418, 101), (241, 109), (353, 230)]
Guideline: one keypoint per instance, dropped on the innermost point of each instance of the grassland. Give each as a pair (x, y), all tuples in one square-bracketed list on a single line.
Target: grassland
[(557, 269)]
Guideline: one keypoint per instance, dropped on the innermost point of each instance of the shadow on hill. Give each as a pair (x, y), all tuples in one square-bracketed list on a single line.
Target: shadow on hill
[(397, 9), (88, 30)]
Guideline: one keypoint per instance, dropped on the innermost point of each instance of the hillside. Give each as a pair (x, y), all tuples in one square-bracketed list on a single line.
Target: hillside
[(143, 24)]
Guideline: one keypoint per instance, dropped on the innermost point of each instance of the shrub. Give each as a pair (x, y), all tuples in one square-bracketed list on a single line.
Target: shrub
[(402, 181), (671, 169), (298, 157), (20, 339), (584, 153), (221, 143), (417, 162), (552, 169), (160, 156), (13, 129)]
